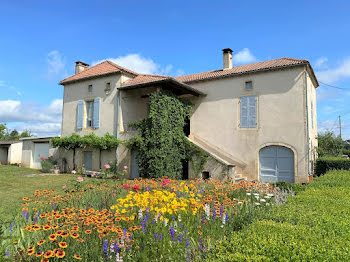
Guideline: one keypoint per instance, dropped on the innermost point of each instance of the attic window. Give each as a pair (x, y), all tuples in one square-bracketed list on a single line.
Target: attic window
[(248, 85), (90, 88), (108, 88)]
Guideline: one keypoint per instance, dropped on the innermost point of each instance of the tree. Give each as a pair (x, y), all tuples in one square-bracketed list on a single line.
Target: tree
[(7, 134), (329, 144), (3, 131)]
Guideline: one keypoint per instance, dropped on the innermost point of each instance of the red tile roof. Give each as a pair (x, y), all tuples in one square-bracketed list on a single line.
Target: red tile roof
[(142, 79), (104, 68), (242, 69)]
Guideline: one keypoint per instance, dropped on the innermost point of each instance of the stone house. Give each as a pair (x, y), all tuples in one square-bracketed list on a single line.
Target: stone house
[(256, 121)]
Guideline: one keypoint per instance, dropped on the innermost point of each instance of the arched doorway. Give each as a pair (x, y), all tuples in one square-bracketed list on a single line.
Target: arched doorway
[(276, 164)]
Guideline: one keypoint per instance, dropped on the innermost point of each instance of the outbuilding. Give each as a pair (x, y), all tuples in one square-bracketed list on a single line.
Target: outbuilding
[(10, 152)]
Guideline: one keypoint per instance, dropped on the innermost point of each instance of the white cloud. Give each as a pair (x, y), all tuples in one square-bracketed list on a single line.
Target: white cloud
[(4, 85), (333, 75), (46, 129), (321, 63), (17, 111), (139, 64), (56, 64), (244, 57)]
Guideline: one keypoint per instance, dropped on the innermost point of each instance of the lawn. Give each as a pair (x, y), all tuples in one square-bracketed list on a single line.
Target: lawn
[(312, 226), (14, 187)]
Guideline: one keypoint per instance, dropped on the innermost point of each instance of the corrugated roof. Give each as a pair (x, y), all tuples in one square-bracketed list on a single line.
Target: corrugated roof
[(260, 66), (104, 68)]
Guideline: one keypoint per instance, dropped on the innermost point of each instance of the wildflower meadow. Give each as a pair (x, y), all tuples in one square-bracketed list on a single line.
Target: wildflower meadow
[(132, 220)]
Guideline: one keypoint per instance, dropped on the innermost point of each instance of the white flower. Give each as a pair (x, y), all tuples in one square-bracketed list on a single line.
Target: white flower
[(257, 204), (165, 222), (249, 194), (270, 195), (267, 197), (207, 211), (262, 200), (140, 213), (74, 172), (239, 202), (256, 194)]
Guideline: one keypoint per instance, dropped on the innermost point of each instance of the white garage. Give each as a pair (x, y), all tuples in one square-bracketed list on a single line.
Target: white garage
[(276, 164), (34, 149)]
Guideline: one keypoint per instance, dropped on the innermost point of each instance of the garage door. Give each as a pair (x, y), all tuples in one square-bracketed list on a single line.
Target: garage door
[(40, 150), (276, 164)]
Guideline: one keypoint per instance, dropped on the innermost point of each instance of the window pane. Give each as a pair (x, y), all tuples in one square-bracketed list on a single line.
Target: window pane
[(249, 85)]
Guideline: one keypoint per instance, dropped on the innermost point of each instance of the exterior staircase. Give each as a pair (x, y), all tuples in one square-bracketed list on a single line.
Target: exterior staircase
[(235, 166)]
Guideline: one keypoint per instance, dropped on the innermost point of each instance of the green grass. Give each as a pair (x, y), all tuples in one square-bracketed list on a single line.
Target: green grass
[(13, 188), (312, 226)]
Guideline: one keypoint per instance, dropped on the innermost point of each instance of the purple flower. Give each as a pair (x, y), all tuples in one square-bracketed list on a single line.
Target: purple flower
[(172, 233), (155, 236), (187, 242), (185, 231), (214, 214), (160, 236), (173, 217), (53, 206), (226, 217), (201, 245), (7, 253), (221, 210), (180, 225), (11, 227), (105, 247), (116, 247), (179, 238)]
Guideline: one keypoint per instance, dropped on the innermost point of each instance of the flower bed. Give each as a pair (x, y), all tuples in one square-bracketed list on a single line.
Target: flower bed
[(149, 219)]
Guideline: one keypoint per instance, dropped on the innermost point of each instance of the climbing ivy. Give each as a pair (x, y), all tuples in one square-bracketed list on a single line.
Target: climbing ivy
[(161, 144)]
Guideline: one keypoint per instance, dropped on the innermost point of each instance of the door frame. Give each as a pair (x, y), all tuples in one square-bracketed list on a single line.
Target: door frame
[(257, 158)]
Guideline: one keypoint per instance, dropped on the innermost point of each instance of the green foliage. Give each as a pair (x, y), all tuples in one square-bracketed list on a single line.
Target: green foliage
[(161, 144), (7, 134), (329, 144), (47, 164), (325, 164), (313, 226), (346, 152), (296, 188)]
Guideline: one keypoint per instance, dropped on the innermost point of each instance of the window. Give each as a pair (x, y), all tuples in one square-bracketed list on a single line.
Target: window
[(90, 88), (108, 88), (89, 113), (248, 111), (249, 85)]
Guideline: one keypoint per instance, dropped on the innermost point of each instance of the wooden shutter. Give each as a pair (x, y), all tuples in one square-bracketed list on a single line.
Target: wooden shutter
[(244, 111), (252, 111), (80, 114), (96, 114)]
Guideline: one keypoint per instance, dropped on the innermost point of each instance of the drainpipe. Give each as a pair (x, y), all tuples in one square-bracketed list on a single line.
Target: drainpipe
[(307, 124), (117, 112)]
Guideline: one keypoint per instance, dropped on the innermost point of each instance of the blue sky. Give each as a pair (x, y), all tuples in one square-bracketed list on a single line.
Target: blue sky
[(41, 40)]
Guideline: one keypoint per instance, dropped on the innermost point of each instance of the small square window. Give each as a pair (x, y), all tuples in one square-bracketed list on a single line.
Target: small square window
[(90, 88), (108, 88), (249, 85)]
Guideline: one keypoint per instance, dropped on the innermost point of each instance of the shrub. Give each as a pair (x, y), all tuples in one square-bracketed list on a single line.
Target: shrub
[(47, 164), (312, 226), (329, 144), (325, 164), (346, 152)]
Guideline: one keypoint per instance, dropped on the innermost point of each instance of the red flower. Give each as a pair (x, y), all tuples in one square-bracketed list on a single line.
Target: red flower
[(136, 187), (42, 158), (126, 186), (165, 182)]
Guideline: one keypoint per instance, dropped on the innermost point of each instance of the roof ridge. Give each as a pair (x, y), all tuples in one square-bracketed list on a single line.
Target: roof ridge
[(120, 67)]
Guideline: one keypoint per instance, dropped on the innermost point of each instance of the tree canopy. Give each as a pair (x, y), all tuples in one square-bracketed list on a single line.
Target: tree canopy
[(8, 134)]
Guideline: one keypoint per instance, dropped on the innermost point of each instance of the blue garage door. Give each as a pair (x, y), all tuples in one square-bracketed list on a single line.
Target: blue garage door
[(276, 164)]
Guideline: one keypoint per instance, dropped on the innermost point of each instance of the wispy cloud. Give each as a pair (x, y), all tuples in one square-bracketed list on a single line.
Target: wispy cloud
[(11, 88), (335, 74), (56, 64), (321, 63), (140, 64), (244, 56)]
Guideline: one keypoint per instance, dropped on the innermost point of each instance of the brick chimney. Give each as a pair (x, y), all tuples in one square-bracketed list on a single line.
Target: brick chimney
[(80, 66), (227, 58)]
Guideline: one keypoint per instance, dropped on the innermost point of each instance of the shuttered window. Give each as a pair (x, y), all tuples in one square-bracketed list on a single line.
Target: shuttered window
[(248, 112), (80, 114), (96, 113)]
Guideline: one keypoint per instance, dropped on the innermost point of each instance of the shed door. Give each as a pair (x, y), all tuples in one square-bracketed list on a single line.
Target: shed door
[(88, 160), (276, 164), (40, 150)]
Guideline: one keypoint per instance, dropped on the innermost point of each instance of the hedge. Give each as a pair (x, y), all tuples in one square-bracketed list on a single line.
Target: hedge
[(325, 164), (312, 226)]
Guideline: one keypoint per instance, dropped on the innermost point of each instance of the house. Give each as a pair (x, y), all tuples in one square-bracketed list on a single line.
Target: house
[(256, 121), (10, 152), (34, 148)]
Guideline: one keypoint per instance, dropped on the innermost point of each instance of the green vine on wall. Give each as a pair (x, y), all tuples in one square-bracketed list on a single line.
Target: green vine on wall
[(161, 144)]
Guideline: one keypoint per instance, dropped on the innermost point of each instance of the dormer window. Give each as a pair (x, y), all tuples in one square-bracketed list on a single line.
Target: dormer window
[(108, 88), (90, 88), (248, 85)]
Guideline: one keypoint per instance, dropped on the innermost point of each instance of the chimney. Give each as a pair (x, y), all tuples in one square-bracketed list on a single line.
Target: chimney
[(80, 67), (227, 57)]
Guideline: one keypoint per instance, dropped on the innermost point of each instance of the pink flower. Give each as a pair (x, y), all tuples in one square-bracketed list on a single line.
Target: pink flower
[(125, 168), (64, 187), (74, 172), (107, 166), (136, 187), (80, 179), (114, 195), (126, 186), (42, 158), (93, 174), (165, 182)]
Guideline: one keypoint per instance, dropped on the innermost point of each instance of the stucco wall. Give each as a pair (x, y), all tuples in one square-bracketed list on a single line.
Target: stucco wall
[(28, 152), (280, 116), (79, 91), (15, 153)]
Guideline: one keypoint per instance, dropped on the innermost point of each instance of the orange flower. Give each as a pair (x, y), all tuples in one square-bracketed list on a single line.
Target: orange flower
[(75, 228), (74, 235), (78, 257), (200, 233), (39, 254), (62, 244), (59, 232), (65, 234), (45, 260), (60, 254), (30, 248), (52, 237), (41, 242), (46, 227), (80, 240), (31, 252), (87, 231), (48, 254)]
